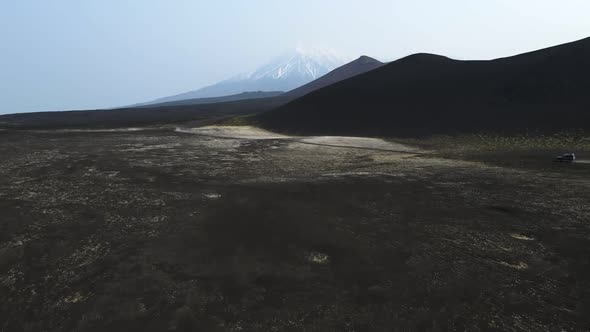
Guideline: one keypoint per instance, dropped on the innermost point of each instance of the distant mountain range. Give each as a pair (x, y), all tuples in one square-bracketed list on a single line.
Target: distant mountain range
[(426, 94), (286, 72), (545, 91), (214, 100)]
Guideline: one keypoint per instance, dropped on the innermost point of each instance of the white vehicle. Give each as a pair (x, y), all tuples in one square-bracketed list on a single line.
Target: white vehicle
[(568, 158)]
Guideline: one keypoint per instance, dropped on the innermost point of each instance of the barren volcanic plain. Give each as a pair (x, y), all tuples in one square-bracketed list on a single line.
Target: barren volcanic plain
[(239, 229)]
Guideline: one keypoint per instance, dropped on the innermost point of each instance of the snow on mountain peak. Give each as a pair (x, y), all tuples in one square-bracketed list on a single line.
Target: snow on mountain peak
[(289, 71), (305, 64)]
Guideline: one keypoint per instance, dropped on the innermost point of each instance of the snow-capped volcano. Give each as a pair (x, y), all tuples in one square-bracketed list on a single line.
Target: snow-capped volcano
[(289, 71), (307, 64)]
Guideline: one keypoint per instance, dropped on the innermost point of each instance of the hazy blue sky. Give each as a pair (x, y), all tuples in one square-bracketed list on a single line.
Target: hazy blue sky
[(76, 54)]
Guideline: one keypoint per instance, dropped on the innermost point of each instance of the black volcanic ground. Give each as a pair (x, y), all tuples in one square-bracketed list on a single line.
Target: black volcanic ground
[(233, 229), (426, 94)]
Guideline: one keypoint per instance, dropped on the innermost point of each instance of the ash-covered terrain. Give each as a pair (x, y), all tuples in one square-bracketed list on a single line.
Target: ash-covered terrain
[(238, 229)]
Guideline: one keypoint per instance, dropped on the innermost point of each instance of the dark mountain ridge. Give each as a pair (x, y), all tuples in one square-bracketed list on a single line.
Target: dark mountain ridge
[(148, 116), (178, 110), (359, 66), (426, 94)]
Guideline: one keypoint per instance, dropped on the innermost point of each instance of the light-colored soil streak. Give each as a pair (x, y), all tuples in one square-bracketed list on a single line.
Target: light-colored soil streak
[(235, 228), (253, 133)]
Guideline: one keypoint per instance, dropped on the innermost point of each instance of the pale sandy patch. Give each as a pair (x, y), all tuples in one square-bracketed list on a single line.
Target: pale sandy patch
[(100, 130), (212, 195), (254, 133), (142, 147), (318, 258), (75, 298), (367, 143), (237, 132), (522, 237), (516, 266)]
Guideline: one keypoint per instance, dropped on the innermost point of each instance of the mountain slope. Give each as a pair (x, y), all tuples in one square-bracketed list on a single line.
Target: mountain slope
[(138, 117), (214, 100), (286, 72), (427, 94), (354, 68)]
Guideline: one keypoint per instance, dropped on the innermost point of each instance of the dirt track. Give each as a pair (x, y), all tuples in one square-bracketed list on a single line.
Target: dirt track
[(218, 229)]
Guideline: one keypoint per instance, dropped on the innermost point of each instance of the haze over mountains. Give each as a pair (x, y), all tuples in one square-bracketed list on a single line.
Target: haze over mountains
[(286, 72), (214, 100), (422, 94), (427, 94)]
